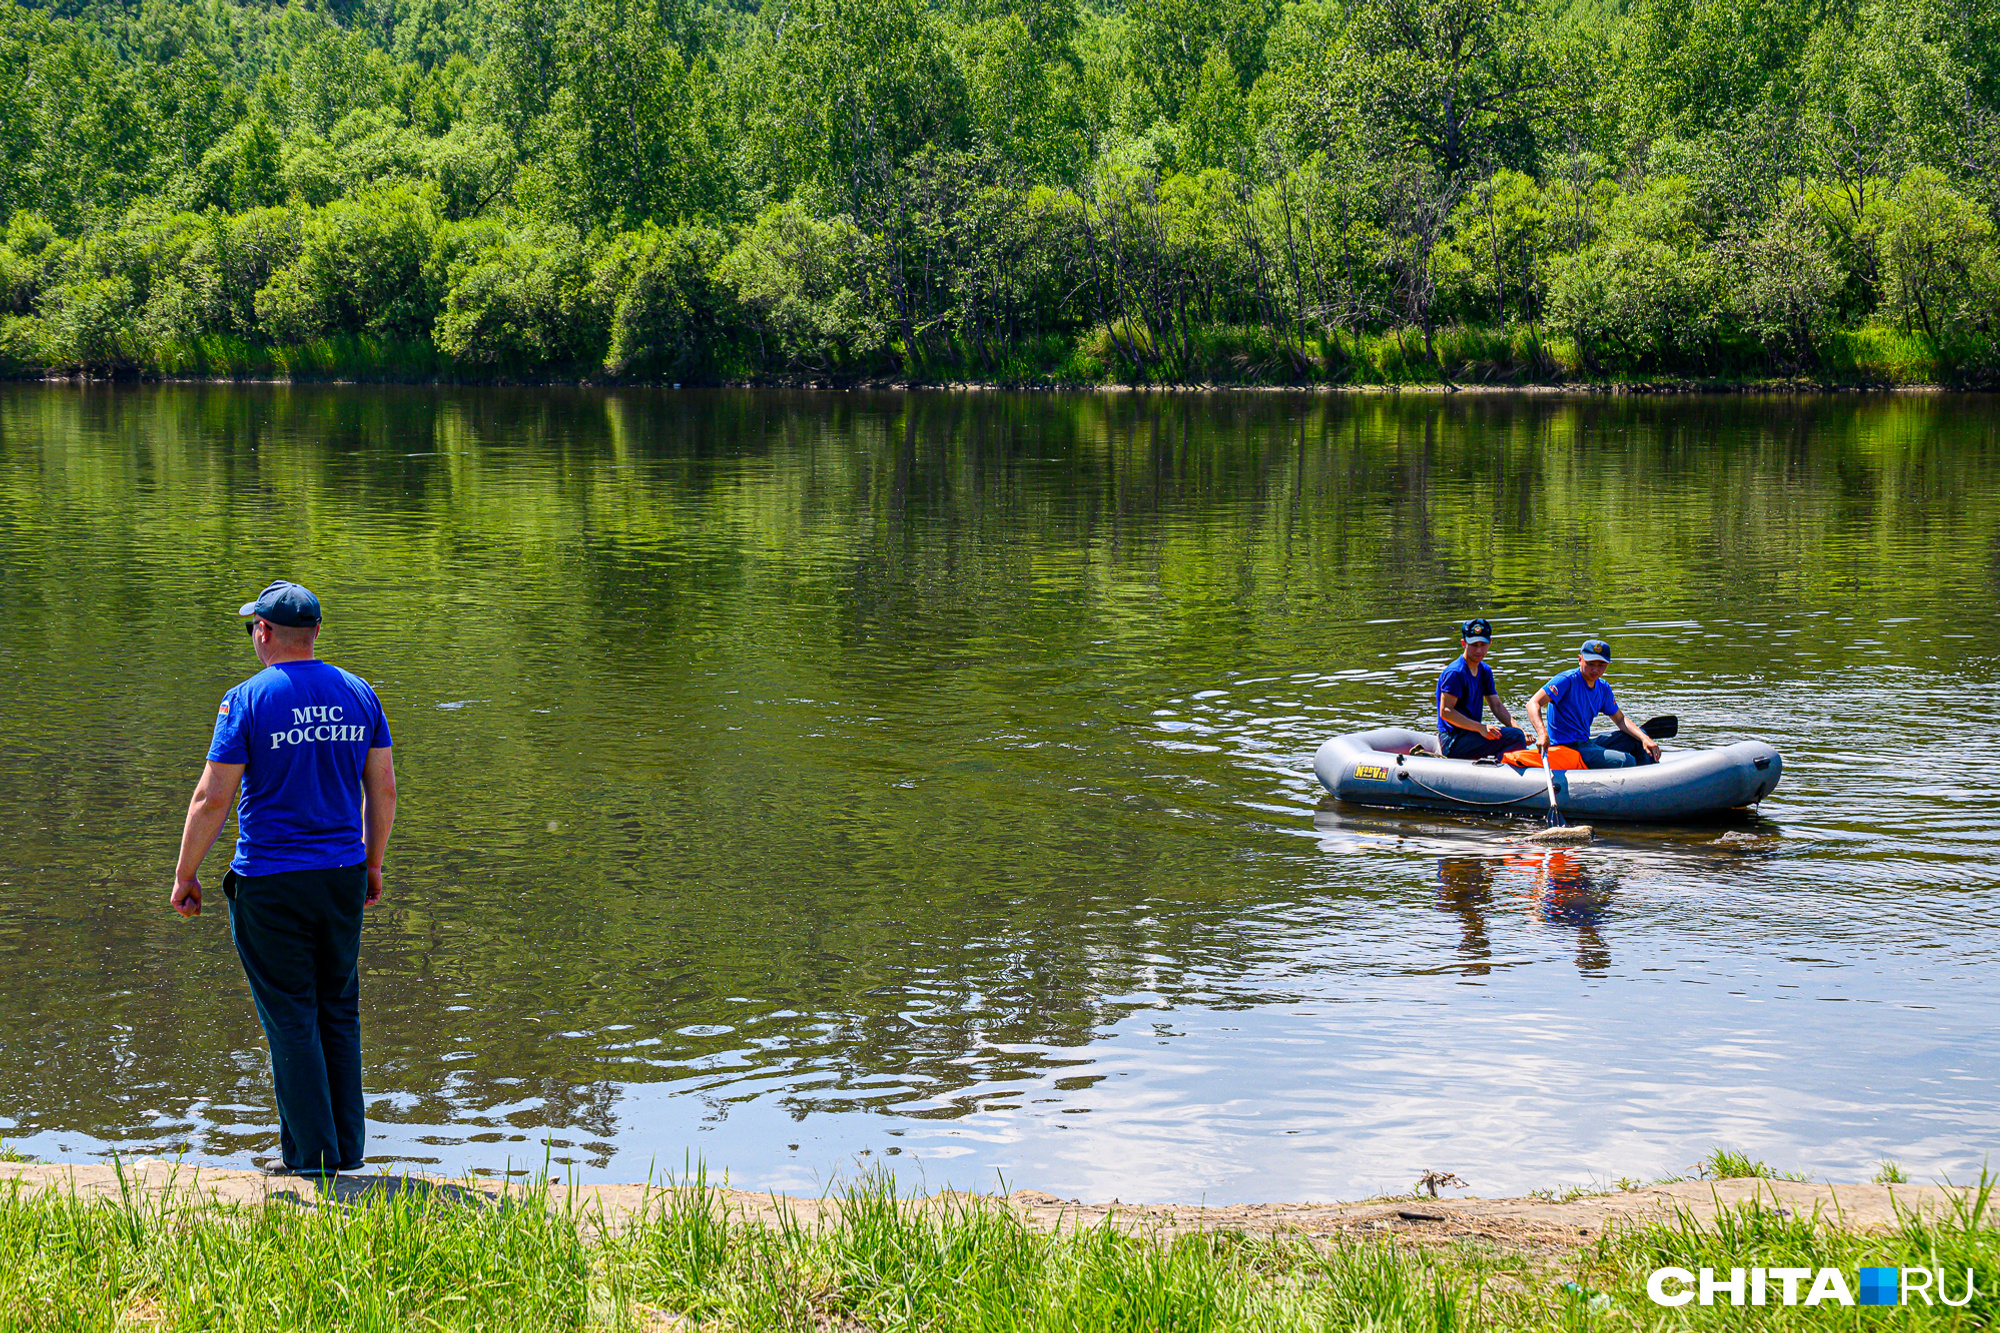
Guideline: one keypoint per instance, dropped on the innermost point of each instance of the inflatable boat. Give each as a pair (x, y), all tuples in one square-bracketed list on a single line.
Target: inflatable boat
[(1397, 766)]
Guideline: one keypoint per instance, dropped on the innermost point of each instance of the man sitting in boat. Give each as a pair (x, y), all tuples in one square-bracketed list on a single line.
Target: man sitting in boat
[(1463, 687), (1577, 698)]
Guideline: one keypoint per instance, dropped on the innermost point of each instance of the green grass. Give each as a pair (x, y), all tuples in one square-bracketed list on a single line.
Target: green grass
[(1723, 1164), (349, 357), (435, 1261)]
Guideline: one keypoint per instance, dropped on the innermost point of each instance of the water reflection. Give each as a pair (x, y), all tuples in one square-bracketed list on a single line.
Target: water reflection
[(1557, 886), (1465, 889)]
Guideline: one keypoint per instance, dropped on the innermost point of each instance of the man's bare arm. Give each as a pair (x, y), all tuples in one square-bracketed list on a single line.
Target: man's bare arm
[(1500, 710), (1625, 724), (1535, 707), (1448, 710), (378, 785), (207, 812)]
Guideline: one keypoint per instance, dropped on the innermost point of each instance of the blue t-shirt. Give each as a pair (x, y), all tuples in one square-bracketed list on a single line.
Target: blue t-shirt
[(1471, 688), (302, 730), (1573, 706)]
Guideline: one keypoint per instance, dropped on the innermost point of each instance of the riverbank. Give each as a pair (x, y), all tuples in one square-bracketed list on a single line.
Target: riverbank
[(1442, 388), (153, 1245), (1870, 358)]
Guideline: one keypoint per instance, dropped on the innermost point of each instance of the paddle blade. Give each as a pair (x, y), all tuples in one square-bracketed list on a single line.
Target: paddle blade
[(1568, 833), (1662, 728)]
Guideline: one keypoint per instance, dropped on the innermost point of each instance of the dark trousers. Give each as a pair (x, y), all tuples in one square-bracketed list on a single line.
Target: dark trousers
[(299, 936), (1460, 744)]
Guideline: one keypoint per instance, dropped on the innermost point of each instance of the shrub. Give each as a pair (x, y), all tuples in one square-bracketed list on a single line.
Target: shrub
[(1786, 283), (361, 269), (92, 324), (801, 280), (522, 302), (673, 318), (30, 254), (1940, 269), (1648, 290), (244, 168)]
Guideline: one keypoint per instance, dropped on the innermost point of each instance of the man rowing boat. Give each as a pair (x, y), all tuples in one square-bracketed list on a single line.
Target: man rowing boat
[(1574, 700), (1461, 689)]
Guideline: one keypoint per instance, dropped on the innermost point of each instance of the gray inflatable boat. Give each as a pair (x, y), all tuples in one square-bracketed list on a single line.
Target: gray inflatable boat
[(1396, 766)]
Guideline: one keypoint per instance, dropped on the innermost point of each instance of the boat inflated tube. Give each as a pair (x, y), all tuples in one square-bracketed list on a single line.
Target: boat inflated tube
[(1402, 767)]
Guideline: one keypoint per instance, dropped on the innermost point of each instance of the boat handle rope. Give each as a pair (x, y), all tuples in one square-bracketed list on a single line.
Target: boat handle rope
[(1483, 805)]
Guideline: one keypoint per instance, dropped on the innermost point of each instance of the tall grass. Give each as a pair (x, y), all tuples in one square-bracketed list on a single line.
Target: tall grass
[(1471, 356), (348, 357), (1961, 1240), (402, 1260), (451, 1259), (1727, 1164)]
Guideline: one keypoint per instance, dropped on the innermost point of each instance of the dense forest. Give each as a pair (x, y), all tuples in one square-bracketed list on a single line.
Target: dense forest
[(1019, 191)]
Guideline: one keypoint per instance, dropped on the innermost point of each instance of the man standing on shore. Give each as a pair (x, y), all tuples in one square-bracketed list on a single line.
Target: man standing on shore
[(309, 747)]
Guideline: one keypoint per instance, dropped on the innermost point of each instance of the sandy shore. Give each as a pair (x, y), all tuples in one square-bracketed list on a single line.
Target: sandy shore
[(1532, 1225)]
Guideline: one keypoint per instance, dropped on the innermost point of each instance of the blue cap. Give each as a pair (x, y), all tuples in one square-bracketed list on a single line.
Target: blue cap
[(1476, 630), (284, 604), (1595, 650)]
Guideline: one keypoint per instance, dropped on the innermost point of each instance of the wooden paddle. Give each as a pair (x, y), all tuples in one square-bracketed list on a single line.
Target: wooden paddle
[(1559, 829)]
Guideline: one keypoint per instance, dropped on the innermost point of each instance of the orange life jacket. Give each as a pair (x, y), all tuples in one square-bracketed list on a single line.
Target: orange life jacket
[(1562, 758)]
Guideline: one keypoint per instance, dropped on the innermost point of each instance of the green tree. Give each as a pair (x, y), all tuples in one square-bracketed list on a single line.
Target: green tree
[(845, 91), (1455, 81), (1940, 269), (244, 168), (1879, 97), (1786, 283), (672, 318), (363, 267), (328, 71), (1215, 122), (802, 282), (1171, 40), (1501, 239), (522, 303), (1026, 97), (1647, 290), (631, 132), (1694, 65)]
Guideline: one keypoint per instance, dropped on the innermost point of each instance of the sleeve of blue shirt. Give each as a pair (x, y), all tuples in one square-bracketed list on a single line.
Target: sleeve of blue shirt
[(1610, 701), (1487, 685), (1456, 683), (231, 716)]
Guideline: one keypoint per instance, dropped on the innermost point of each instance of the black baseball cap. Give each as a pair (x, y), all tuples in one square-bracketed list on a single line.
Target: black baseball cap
[(1595, 650), (1476, 630), (284, 603)]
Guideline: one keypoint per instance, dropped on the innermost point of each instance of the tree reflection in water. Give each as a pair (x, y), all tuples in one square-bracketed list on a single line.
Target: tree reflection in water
[(1556, 885)]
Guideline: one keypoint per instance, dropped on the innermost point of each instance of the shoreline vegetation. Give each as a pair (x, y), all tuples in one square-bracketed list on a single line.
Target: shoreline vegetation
[(1873, 360), (1467, 360), (147, 1250), (1354, 193)]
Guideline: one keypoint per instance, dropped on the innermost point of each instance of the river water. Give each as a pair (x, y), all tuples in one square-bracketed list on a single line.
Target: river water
[(797, 782)]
